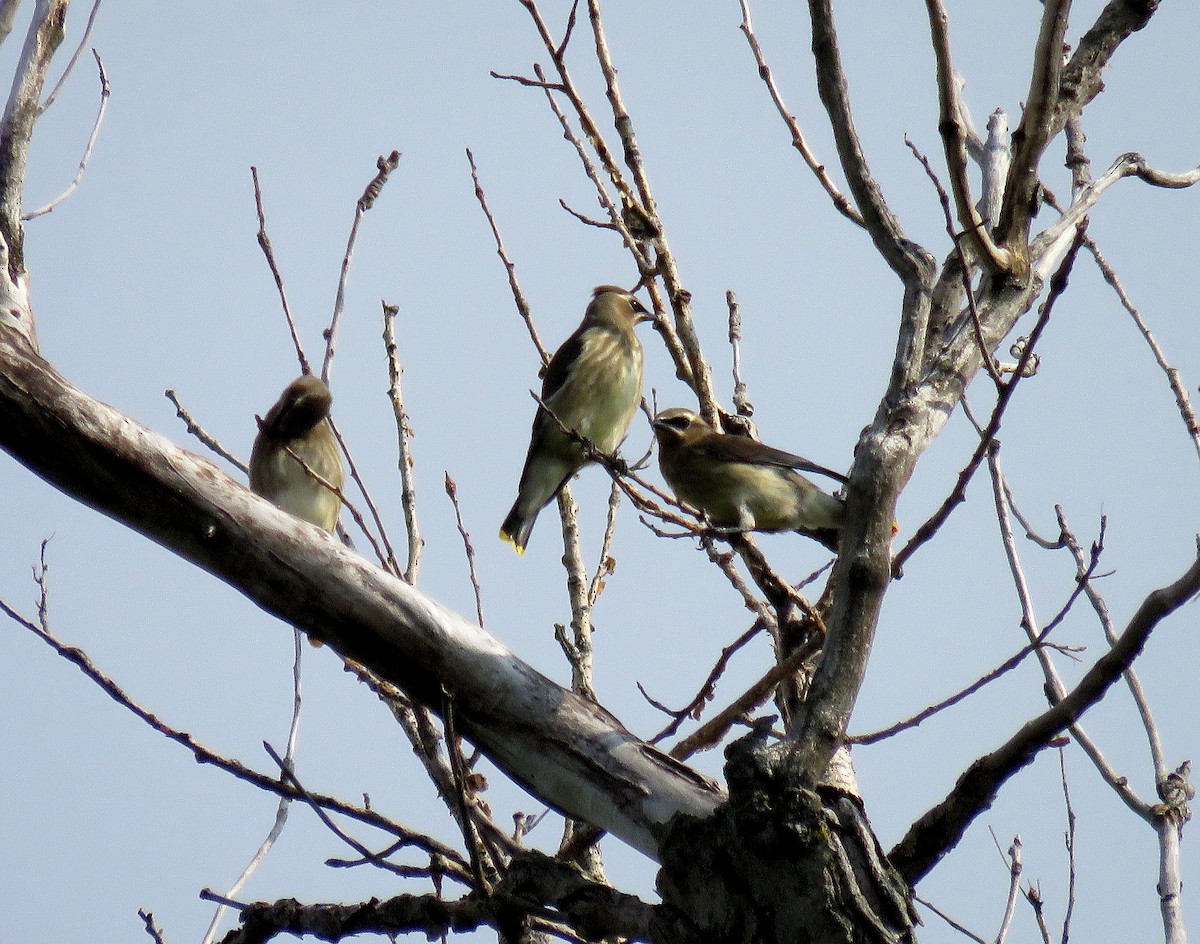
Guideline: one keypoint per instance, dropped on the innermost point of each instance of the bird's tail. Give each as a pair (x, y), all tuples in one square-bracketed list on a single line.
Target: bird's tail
[(517, 527)]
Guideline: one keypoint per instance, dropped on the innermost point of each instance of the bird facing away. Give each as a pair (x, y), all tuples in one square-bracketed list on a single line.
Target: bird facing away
[(299, 420), (592, 385), (742, 484)]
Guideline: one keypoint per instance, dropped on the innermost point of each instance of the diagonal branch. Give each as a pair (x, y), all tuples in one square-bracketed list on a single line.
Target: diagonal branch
[(954, 141), (568, 751), (939, 830), (885, 230)]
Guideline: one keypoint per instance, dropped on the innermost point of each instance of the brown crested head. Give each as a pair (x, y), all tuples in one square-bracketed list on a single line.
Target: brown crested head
[(679, 424), (612, 304), (301, 406)]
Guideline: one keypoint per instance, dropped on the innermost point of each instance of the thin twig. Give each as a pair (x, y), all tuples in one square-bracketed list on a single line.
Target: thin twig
[(606, 563), (384, 166), (707, 690), (287, 765), (950, 921), (386, 555), (1002, 669), (1014, 888), (195, 429), (965, 269), (1186, 412), (465, 807), (287, 772), (469, 549), (264, 242), (206, 755), (155, 932), (741, 396), (840, 201), (404, 435), (1072, 872), (710, 733), (105, 92), (83, 41), (509, 267)]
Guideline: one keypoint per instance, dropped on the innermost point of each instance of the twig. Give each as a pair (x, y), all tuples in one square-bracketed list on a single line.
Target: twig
[(1186, 412), (985, 355), (509, 267), (287, 765), (1127, 165), (386, 555), (707, 690), (452, 492), (710, 733), (105, 92), (384, 166), (1070, 841), (578, 649), (195, 429), (606, 564), (617, 218), (465, 807), (840, 201), (205, 755), (741, 396), (1014, 887), (1002, 669), (1070, 542), (404, 434), (83, 41), (264, 242), (152, 929), (950, 921), (287, 773), (1054, 687)]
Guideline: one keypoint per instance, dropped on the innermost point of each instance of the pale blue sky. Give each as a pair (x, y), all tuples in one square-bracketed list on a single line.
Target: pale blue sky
[(149, 277)]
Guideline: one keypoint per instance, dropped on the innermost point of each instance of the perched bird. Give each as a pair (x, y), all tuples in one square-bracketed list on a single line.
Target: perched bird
[(742, 484), (299, 421), (592, 385)]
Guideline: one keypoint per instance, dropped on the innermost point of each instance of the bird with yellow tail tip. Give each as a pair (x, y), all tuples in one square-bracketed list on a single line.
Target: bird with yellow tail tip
[(741, 484), (592, 386), (299, 421)]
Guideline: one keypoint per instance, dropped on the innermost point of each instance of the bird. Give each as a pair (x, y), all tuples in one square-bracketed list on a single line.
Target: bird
[(741, 484), (592, 386), (299, 421)]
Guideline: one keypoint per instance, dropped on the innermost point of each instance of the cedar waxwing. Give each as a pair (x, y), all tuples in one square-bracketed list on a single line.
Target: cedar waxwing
[(592, 385), (298, 420), (740, 483)]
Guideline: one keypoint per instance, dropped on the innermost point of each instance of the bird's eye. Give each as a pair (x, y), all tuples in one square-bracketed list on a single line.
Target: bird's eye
[(636, 304), (679, 422)]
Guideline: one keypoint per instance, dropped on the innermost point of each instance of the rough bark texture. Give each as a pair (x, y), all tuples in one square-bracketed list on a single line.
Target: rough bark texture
[(779, 862)]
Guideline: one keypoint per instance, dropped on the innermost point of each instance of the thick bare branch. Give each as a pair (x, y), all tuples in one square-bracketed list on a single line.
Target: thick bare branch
[(568, 751), (938, 831), (904, 257), (954, 141)]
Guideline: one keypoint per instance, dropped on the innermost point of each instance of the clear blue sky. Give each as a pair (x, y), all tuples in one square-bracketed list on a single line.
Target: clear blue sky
[(149, 278)]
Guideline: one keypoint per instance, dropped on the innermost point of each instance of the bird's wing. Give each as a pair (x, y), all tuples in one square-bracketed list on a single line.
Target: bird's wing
[(724, 447), (559, 368)]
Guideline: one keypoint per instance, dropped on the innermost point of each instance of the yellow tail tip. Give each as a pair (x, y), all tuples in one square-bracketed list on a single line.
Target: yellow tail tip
[(509, 539)]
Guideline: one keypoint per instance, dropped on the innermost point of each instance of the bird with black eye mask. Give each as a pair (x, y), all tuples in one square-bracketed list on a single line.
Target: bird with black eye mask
[(592, 386), (741, 484)]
